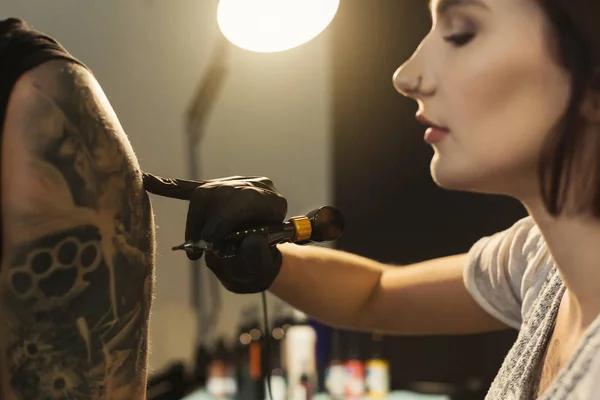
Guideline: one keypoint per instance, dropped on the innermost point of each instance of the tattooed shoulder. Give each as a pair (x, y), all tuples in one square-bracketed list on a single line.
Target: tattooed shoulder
[(78, 244)]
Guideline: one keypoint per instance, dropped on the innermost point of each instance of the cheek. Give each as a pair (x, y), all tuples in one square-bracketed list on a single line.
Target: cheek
[(504, 103)]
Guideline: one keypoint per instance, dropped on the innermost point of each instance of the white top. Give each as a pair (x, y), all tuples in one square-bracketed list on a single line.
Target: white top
[(513, 277)]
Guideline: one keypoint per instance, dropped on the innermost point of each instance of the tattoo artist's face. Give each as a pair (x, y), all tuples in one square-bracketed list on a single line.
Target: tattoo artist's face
[(489, 74)]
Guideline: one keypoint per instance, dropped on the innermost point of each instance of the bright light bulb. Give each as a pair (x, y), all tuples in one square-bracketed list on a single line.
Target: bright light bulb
[(274, 25)]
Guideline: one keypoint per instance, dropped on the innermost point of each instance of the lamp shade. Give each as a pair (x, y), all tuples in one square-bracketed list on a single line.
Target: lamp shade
[(274, 25)]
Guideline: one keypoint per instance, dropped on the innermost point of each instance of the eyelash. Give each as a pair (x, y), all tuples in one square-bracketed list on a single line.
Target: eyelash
[(459, 39)]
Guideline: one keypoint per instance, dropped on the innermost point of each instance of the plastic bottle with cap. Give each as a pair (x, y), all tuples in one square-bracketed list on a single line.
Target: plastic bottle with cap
[(355, 369), (377, 377), (217, 372), (300, 358), (249, 357), (335, 375)]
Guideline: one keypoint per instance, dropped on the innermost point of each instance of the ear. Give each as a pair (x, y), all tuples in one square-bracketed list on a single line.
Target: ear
[(590, 107)]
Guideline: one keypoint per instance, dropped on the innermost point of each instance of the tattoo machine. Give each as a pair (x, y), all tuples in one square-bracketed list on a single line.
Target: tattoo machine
[(320, 225)]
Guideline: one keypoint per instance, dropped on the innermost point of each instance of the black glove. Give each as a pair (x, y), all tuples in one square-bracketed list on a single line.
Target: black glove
[(221, 206)]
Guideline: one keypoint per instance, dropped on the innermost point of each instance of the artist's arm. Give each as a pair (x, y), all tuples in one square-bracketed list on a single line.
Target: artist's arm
[(78, 244), (349, 291)]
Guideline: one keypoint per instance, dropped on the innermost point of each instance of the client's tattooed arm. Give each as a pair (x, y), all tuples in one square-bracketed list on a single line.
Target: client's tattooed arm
[(78, 245)]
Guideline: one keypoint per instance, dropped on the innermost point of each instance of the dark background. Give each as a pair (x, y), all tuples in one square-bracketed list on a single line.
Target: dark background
[(395, 212)]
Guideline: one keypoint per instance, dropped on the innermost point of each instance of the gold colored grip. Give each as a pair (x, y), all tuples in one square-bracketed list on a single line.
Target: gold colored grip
[(303, 228)]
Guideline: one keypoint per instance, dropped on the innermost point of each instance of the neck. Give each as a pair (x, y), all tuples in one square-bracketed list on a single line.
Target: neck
[(574, 243)]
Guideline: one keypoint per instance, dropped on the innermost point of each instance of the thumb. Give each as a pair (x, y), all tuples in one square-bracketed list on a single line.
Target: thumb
[(174, 188), (194, 256), (256, 253)]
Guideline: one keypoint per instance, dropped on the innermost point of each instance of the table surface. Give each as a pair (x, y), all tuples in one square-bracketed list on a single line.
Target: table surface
[(400, 395)]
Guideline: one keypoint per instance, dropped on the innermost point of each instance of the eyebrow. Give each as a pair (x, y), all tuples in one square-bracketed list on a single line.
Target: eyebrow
[(442, 6)]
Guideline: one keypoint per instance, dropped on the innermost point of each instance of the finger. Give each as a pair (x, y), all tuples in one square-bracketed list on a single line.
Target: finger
[(213, 262), (233, 178), (167, 187), (249, 210), (244, 209), (197, 212), (222, 271), (225, 217)]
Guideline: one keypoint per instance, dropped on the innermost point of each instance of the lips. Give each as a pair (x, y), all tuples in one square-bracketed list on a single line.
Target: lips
[(422, 119), (435, 133)]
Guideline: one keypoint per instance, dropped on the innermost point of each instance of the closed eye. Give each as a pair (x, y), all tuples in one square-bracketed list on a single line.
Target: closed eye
[(459, 39)]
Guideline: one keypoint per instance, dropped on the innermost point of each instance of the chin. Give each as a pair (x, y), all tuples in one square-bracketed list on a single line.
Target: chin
[(461, 177), (447, 176), (450, 183)]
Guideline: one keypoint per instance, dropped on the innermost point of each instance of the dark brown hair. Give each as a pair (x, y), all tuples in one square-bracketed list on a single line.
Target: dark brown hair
[(564, 146)]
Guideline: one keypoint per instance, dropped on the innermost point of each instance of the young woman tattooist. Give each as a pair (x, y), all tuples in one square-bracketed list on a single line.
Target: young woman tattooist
[(511, 92)]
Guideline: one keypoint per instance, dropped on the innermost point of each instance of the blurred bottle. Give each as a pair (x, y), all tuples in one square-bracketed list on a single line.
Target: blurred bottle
[(300, 357), (217, 385), (256, 360), (249, 357), (306, 388), (231, 373), (355, 369), (202, 359), (377, 370), (170, 383), (335, 375), (275, 366)]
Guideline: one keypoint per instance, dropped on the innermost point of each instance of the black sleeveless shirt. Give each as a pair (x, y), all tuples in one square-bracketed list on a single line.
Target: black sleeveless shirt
[(21, 49)]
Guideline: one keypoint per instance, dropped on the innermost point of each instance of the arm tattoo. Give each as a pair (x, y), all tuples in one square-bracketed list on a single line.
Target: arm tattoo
[(77, 276)]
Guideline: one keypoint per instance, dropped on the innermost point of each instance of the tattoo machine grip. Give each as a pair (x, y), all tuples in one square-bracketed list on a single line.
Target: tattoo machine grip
[(324, 224)]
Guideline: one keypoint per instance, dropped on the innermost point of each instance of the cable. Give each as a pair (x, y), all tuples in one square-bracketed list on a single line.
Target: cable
[(216, 303), (267, 373)]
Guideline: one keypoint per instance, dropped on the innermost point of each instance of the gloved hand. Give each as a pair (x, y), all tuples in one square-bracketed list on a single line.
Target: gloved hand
[(221, 206)]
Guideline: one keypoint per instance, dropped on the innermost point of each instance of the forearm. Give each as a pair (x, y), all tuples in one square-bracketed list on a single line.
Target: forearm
[(329, 285)]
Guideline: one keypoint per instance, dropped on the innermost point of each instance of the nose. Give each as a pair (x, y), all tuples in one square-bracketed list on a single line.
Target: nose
[(405, 83), (410, 78)]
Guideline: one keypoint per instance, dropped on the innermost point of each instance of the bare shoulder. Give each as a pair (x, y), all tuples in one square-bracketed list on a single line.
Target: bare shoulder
[(77, 244)]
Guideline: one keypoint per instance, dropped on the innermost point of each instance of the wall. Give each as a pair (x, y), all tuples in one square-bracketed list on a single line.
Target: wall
[(272, 118)]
